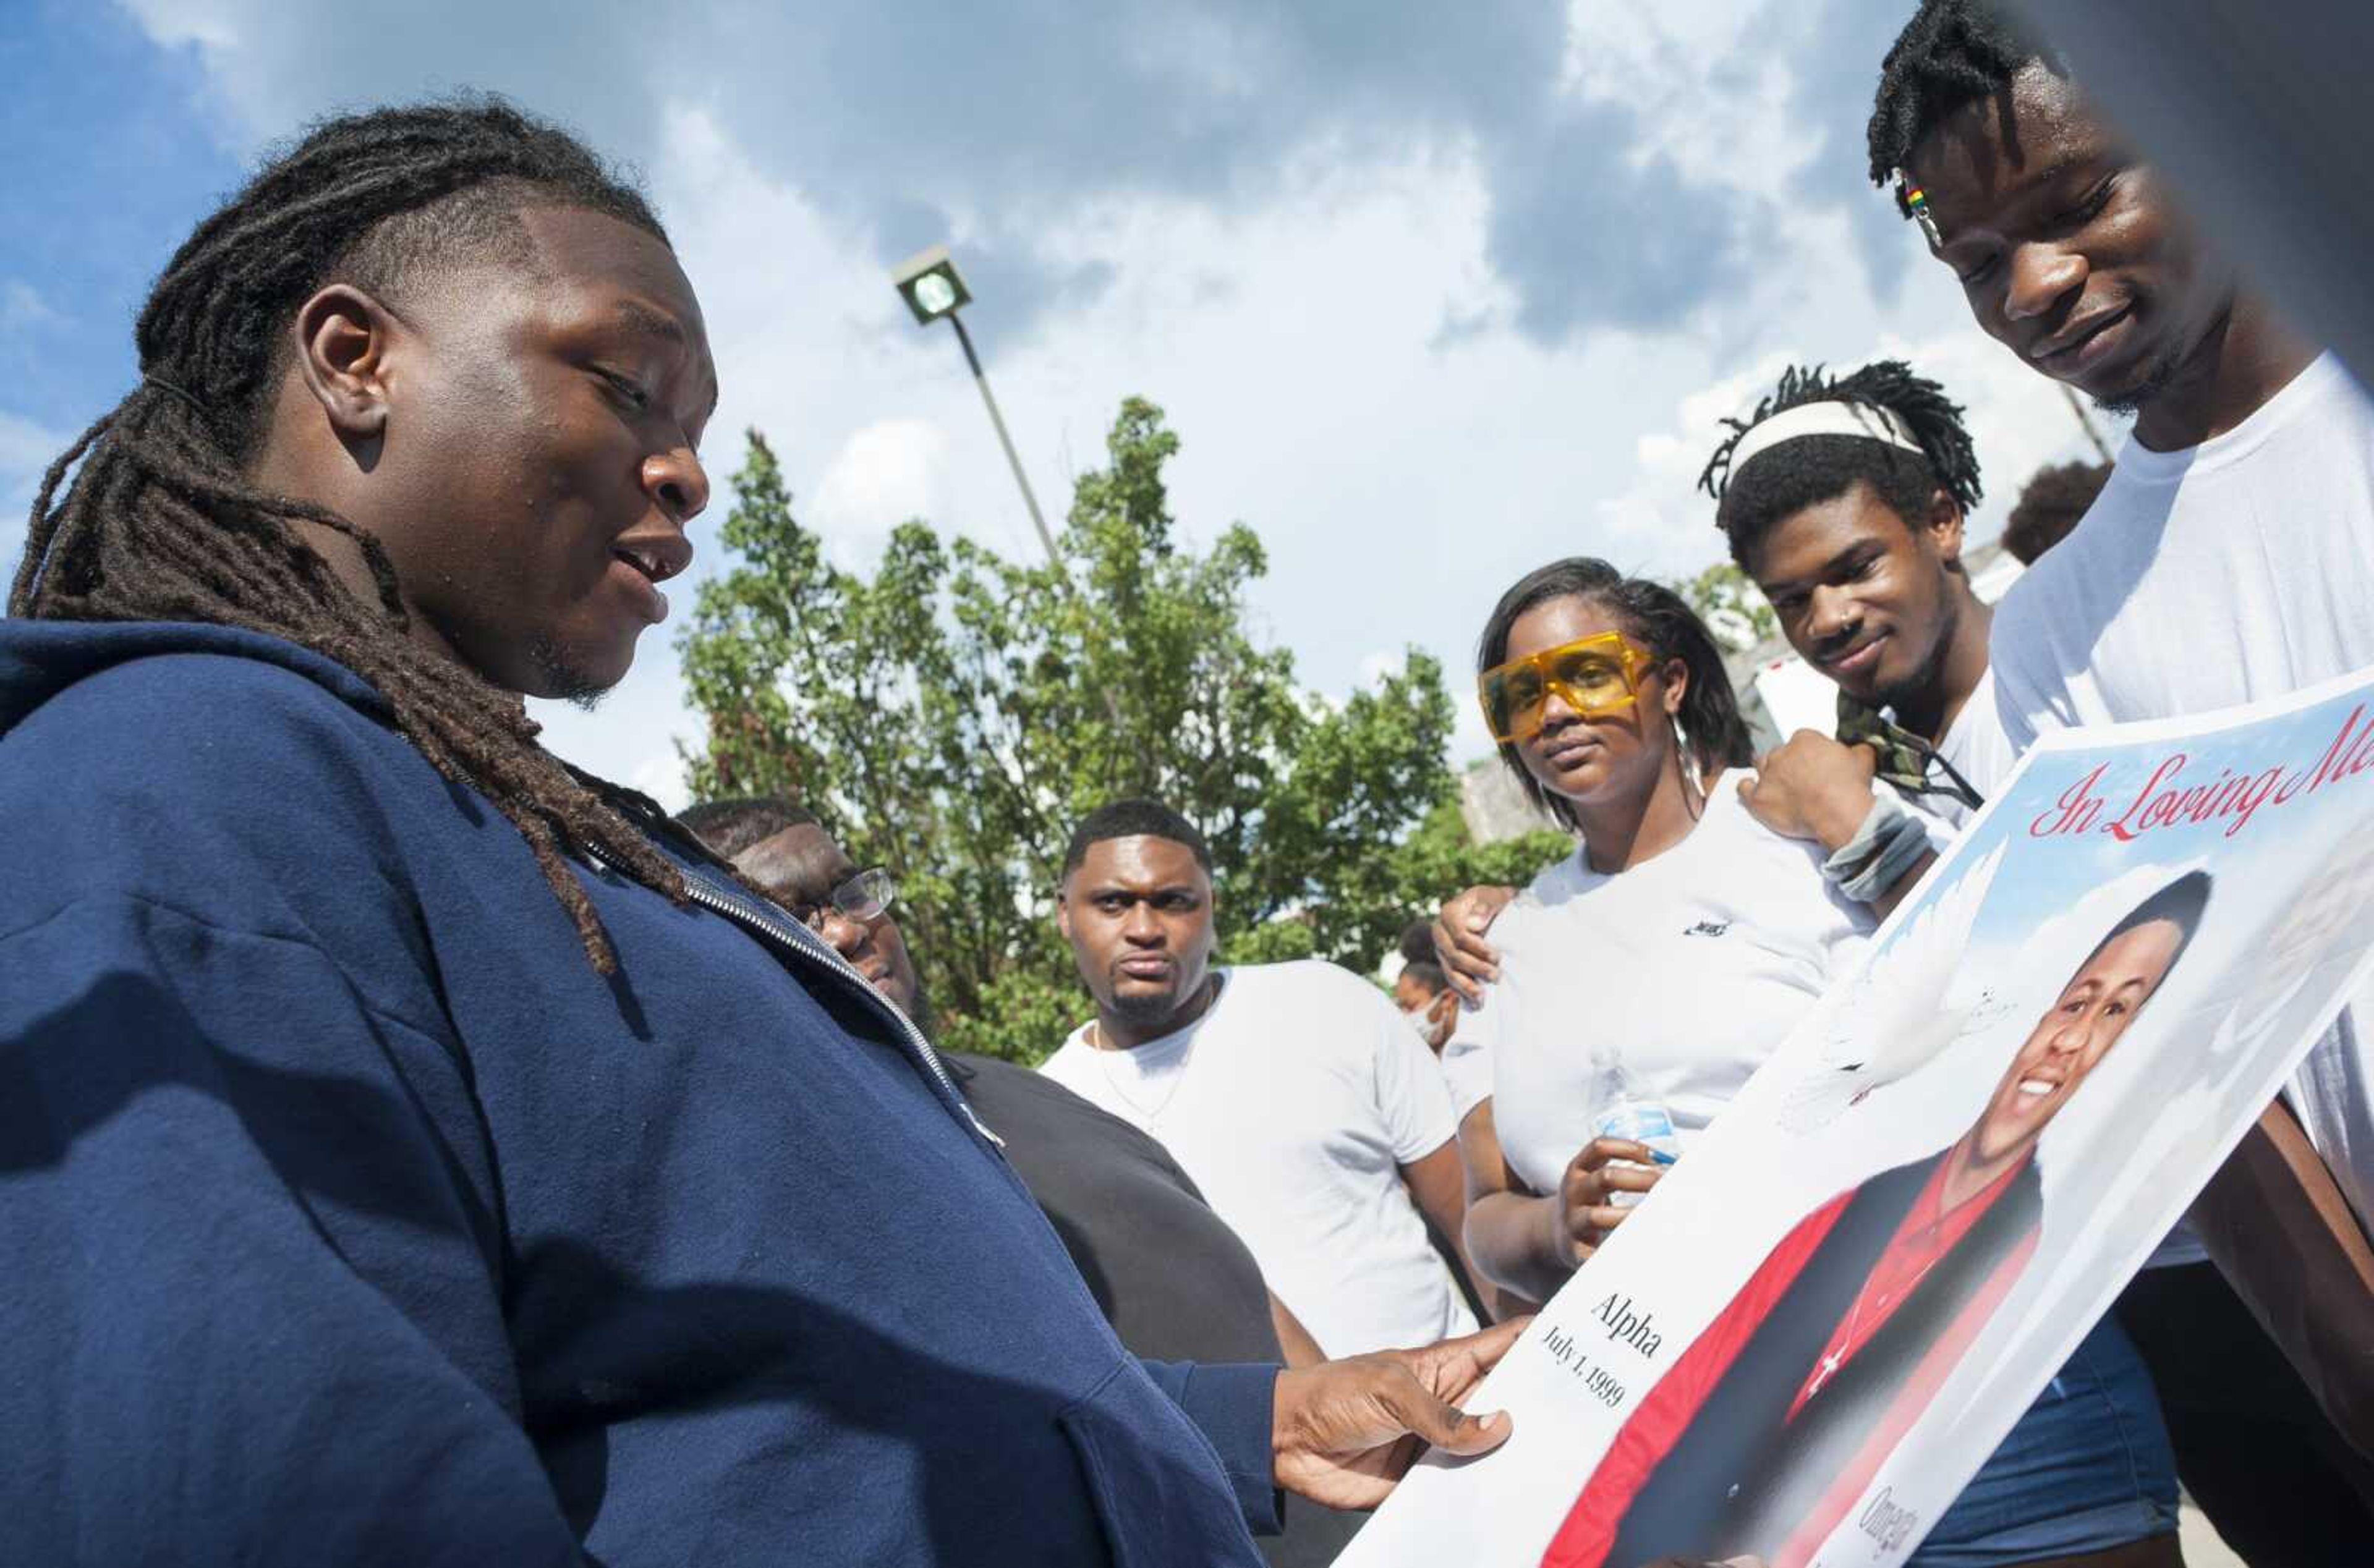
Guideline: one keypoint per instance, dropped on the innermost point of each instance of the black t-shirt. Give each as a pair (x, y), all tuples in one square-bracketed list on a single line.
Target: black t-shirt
[(1173, 1279)]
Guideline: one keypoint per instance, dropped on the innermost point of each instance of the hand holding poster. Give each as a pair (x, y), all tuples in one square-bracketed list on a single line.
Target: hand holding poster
[(1832, 1310)]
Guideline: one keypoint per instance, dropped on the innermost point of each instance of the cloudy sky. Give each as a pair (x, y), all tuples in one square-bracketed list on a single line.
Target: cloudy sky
[(1432, 293)]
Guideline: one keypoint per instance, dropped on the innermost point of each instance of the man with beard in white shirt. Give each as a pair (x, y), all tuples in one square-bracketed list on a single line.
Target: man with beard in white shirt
[(2230, 559), (1299, 1098)]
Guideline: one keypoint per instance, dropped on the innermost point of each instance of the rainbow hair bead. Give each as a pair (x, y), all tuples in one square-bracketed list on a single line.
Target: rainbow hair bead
[(1916, 207)]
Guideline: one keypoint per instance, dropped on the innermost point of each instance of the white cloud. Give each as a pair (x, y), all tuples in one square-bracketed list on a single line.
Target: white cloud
[(214, 26), (1379, 319), (661, 776), (27, 450), (1043, 111), (1662, 503), (883, 474), (1719, 110), (22, 306)]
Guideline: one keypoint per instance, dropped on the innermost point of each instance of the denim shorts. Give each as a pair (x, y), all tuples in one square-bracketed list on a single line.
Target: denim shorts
[(2087, 1468)]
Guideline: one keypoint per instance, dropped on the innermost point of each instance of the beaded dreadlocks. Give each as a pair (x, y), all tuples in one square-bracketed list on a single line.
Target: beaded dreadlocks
[(1783, 480), (162, 523), (1950, 53)]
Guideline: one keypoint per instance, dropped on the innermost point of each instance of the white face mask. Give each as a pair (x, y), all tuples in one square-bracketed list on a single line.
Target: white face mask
[(1431, 1030)]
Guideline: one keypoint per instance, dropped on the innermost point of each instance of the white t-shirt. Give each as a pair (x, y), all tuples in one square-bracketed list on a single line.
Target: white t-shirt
[(1977, 748), (1294, 1101), (2238, 569), (1685, 973)]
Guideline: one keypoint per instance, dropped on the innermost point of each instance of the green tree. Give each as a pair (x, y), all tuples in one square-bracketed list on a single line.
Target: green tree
[(1729, 601), (953, 713)]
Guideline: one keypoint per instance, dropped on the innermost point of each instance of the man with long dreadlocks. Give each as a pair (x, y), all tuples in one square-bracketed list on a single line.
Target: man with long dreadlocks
[(410, 1150), (2230, 559)]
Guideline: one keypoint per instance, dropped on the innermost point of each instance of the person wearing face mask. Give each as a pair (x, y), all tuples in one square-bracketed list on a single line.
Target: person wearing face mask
[(1422, 991), (1769, 1427), (1664, 962)]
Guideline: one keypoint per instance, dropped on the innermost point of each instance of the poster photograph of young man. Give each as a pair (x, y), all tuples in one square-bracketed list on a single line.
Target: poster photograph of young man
[(1822, 1322), (1772, 1423)]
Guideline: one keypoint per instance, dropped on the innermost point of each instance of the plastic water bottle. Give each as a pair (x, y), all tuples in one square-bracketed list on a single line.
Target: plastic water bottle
[(1625, 1113)]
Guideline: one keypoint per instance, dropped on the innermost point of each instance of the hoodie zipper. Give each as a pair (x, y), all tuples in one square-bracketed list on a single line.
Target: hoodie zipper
[(793, 937)]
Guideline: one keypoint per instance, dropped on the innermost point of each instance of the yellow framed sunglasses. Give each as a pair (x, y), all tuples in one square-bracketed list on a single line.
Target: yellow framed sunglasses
[(1595, 676)]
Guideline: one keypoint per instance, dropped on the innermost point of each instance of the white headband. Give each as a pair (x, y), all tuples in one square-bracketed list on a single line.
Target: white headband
[(1831, 418)]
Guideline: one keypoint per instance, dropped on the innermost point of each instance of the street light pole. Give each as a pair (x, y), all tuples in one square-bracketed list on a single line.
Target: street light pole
[(1013, 460), (933, 288)]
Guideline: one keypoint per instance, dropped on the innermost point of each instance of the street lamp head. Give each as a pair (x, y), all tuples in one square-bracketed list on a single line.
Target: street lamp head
[(935, 294), (928, 281)]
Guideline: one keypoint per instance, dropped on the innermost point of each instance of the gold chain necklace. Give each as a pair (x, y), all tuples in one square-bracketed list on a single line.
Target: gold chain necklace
[(1099, 1047)]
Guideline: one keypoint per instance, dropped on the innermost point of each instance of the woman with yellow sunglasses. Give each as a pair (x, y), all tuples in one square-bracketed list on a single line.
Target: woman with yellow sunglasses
[(1662, 964), (1664, 961)]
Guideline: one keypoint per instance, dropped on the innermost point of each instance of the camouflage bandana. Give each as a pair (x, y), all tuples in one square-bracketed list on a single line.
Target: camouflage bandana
[(1905, 759)]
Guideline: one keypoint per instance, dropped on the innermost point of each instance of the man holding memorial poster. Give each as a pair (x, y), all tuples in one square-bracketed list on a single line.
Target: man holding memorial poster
[(1829, 1313)]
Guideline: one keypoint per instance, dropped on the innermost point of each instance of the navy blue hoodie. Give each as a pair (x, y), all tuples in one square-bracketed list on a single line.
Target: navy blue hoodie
[(347, 1215)]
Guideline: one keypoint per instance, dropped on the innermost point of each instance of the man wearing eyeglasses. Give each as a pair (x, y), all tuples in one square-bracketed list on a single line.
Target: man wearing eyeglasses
[(808, 872), (1176, 1283)]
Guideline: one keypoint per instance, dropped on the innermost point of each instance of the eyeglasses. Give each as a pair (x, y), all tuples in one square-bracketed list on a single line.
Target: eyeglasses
[(861, 899), (1595, 676)]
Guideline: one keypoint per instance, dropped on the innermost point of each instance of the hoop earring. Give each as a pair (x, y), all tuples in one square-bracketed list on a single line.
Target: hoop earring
[(1691, 783)]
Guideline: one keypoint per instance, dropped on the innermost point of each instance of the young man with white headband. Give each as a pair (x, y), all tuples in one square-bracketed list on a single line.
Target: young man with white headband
[(1849, 515), (1843, 498)]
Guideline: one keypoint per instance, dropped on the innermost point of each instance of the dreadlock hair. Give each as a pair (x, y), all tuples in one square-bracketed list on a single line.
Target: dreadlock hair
[(162, 522), (1951, 52), (2050, 505), (1782, 481), (1661, 621)]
